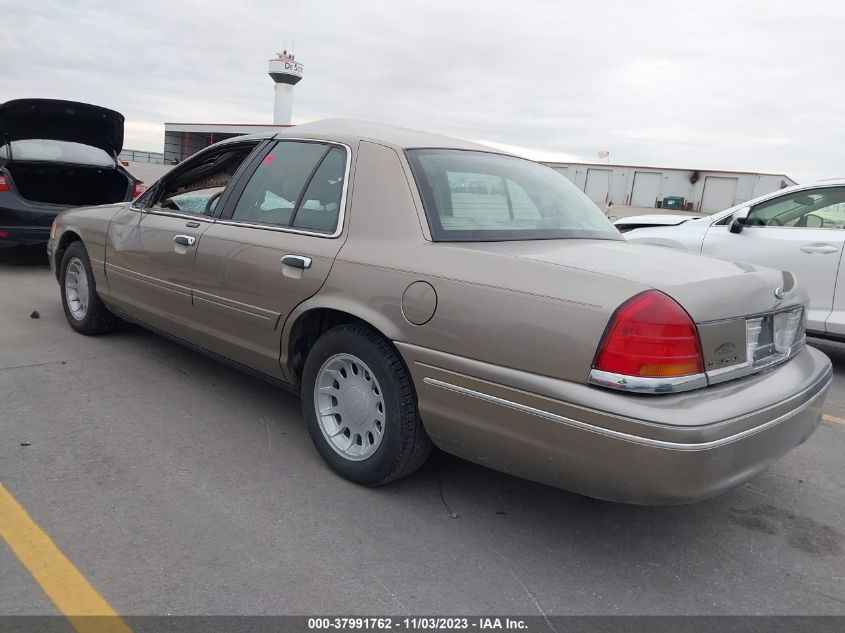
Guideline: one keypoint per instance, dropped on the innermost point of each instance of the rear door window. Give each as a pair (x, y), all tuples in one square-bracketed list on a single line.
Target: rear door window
[(320, 204), (298, 184)]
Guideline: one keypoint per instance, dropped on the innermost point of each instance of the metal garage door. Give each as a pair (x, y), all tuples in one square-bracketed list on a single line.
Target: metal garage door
[(646, 189), (719, 193), (567, 171), (597, 184)]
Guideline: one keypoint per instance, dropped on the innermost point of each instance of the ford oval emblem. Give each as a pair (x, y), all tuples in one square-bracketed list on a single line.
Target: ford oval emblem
[(779, 293)]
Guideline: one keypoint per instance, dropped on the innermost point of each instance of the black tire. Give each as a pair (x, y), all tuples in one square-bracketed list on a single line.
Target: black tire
[(97, 318), (405, 446)]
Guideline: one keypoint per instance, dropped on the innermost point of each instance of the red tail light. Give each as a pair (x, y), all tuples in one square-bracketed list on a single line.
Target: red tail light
[(651, 336), (139, 189), (4, 186)]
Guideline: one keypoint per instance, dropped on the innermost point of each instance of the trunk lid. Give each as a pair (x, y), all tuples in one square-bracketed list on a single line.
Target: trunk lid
[(61, 120), (708, 289)]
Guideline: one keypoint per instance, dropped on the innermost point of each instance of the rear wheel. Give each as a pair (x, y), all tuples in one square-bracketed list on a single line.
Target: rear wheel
[(360, 407), (83, 309)]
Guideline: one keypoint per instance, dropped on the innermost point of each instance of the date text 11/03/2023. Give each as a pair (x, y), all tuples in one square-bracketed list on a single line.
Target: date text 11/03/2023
[(423, 623)]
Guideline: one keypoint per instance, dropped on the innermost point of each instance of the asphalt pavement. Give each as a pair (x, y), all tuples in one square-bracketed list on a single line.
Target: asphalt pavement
[(177, 485)]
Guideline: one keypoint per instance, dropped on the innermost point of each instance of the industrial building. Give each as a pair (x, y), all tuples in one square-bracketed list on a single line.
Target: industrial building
[(705, 191)]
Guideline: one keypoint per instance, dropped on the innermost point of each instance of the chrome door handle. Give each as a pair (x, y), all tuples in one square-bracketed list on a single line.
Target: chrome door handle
[(184, 240), (296, 261), (822, 249)]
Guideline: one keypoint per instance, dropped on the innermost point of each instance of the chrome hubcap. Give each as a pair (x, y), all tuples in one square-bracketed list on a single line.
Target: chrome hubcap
[(76, 289), (350, 407)]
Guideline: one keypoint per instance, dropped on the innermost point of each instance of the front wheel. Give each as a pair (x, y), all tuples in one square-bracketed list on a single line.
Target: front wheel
[(83, 308), (360, 407)]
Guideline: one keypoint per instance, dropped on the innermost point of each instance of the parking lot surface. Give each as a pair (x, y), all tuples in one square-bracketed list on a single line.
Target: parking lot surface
[(177, 485)]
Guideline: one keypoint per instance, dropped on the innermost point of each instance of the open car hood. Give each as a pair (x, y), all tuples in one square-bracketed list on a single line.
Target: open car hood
[(62, 121)]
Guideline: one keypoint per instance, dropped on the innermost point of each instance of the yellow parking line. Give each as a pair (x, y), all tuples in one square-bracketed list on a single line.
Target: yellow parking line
[(61, 581), (833, 418)]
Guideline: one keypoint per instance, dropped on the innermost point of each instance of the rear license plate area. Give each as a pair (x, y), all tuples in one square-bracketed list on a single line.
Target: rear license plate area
[(769, 338)]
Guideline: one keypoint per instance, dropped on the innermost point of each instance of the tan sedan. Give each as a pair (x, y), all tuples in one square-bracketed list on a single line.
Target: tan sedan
[(419, 290)]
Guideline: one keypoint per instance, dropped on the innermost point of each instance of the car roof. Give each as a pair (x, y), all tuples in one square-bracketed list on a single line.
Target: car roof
[(353, 130), (241, 138)]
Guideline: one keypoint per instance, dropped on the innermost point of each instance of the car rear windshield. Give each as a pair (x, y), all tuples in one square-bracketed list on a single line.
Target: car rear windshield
[(53, 151), (472, 196)]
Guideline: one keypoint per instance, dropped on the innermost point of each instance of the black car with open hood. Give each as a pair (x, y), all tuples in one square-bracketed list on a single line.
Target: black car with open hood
[(56, 154)]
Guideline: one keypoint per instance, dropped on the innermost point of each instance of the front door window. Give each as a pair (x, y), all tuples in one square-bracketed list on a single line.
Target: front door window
[(193, 189), (822, 208)]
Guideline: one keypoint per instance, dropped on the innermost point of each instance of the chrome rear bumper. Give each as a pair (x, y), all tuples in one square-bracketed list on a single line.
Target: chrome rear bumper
[(657, 450)]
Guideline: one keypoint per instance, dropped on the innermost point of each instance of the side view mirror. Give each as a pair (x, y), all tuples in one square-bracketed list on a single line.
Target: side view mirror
[(813, 221), (739, 221), (737, 224)]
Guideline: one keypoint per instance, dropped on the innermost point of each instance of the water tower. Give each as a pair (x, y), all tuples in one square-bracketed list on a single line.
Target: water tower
[(286, 72)]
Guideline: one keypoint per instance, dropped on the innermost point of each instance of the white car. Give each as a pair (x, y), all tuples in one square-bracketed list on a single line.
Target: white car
[(800, 229)]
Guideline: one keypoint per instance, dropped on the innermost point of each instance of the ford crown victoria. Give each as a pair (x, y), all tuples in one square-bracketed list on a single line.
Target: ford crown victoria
[(423, 291)]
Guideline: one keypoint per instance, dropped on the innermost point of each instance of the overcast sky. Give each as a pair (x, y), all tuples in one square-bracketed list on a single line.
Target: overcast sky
[(733, 85)]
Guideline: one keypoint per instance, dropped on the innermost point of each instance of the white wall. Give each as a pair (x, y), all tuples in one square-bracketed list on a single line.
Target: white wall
[(674, 182)]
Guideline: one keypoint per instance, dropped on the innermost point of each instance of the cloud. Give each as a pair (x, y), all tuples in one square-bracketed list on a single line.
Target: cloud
[(735, 85)]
